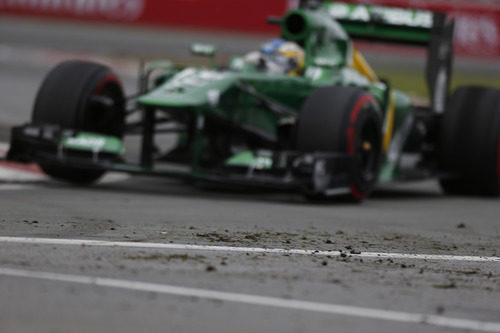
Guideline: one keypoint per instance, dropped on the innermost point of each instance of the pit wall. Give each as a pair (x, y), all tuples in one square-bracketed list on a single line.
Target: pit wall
[(477, 34)]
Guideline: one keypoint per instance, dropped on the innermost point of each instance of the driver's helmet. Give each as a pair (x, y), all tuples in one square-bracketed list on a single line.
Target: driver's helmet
[(281, 56)]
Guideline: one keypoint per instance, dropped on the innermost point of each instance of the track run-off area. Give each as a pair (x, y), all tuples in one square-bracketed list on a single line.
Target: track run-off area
[(249, 299)]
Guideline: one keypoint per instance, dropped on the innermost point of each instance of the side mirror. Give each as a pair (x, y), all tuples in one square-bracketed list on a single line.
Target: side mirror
[(205, 50)]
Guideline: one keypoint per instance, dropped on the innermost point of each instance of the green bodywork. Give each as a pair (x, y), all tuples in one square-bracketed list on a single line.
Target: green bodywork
[(213, 93), (92, 142), (258, 160)]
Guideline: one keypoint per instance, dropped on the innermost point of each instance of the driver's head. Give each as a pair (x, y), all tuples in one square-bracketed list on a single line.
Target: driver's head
[(284, 57)]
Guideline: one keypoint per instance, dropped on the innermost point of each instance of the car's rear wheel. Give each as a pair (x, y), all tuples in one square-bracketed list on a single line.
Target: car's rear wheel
[(344, 120), (84, 96), (470, 143)]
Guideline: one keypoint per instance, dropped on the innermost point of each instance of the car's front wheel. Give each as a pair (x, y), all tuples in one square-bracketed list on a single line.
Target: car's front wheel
[(84, 96), (344, 120)]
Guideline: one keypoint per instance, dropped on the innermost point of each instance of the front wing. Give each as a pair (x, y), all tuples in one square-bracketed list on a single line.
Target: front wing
[(311, 173)]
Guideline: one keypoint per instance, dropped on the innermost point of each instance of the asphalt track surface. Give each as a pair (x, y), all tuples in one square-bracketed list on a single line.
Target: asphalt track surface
[(135, 254)]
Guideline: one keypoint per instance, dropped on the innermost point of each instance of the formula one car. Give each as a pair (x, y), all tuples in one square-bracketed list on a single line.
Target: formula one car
[(306, 112)]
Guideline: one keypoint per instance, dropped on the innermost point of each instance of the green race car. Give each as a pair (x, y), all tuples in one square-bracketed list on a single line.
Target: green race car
[(305, 112)]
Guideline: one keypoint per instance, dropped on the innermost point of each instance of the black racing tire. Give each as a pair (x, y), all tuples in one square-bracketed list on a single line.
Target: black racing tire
[(344, 120), (65, 99), (470, 142)]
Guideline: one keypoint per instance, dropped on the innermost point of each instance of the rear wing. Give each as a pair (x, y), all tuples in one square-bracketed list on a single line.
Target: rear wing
[(394, 25), (385, 24)]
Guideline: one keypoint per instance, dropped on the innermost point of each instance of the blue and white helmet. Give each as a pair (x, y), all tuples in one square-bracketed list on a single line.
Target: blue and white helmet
[(282, 56), (272, 46)]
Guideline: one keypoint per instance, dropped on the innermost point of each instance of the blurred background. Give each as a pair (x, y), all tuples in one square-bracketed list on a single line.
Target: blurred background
[(37, 34)]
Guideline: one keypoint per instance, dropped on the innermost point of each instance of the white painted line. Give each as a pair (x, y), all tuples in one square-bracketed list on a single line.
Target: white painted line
[(11, 175), (15, 187), (191, 247), (4, 148), (15, 172), (335, 309)]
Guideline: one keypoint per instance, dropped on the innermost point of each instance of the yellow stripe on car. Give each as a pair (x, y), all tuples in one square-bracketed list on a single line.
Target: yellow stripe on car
[(389, 123), (360, 64)]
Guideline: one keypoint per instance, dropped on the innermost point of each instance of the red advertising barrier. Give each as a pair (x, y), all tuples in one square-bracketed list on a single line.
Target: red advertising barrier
[(239, 15), (104, 10), (477, 33)]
